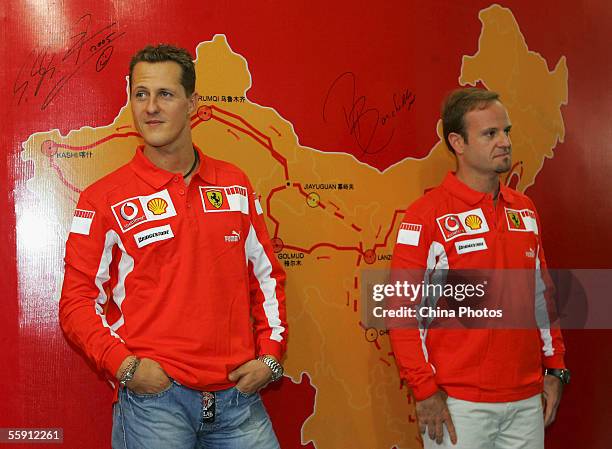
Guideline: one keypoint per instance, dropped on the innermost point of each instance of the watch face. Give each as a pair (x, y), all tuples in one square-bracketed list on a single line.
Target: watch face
[(277, 372), (275, 367), (565, 376)]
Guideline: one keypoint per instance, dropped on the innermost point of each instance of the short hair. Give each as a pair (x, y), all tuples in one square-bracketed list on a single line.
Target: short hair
[(166, 52), (458, 103)]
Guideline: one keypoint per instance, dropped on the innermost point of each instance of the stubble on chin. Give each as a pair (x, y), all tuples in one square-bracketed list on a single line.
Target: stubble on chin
[(504, 167)]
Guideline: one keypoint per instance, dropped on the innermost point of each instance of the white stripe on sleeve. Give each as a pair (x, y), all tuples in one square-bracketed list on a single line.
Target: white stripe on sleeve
[(262, 268), (541, 311), (126, 264)]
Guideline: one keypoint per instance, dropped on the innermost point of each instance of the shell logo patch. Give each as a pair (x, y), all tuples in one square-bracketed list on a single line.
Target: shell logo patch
[(215, 197), (132, 212), (473, 222), (157, 205), (464, 223)]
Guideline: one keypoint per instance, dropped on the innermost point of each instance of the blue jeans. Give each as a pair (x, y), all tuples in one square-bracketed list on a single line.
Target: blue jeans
[(172, 419)]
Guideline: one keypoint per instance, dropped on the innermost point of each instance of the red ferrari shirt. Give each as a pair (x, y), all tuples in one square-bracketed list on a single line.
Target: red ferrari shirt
[(455, 227), (184, 275)]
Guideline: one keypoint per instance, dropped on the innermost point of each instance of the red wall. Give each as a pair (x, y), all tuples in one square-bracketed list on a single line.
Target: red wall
[(293, 50)]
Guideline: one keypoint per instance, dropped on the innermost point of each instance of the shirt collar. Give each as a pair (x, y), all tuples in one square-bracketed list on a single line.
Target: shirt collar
[(506, 193), (207, 170), (470, 196), (157, 177)]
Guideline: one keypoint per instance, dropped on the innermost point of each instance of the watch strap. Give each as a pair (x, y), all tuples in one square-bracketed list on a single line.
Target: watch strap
[(129, 372), (560, 373), (275, 367)]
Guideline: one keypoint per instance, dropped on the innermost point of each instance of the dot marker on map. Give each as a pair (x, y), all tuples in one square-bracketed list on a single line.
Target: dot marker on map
[(313, 199), (277, 245), (371, 334), (205, 113), (48, 148), (369, 256)]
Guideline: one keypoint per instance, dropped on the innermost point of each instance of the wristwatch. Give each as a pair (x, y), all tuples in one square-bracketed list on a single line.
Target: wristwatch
[(129, 372), (562, 374), (275, 367)]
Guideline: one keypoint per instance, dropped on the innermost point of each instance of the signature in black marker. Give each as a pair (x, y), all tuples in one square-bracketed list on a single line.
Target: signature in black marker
[(43, 75), (361, 121), (401, 102)]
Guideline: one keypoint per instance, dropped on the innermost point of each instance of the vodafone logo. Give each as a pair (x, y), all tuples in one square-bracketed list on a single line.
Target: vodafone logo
[(451, 223), (128, 211), (456, 224), (138, 210)]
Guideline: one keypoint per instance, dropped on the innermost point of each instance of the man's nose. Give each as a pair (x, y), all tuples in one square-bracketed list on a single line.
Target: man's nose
[(152, 106), (505, 140)]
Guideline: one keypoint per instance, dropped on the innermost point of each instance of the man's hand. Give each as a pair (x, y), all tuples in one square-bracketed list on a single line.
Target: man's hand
[(553, 389), (251, 376), (432, 414), (149, 377)]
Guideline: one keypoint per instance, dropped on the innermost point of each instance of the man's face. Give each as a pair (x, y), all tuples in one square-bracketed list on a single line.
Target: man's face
[(160, 107), (488, 148)]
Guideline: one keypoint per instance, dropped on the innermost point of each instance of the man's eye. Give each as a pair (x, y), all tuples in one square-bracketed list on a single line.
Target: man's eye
[(165, 94), (139, 94)]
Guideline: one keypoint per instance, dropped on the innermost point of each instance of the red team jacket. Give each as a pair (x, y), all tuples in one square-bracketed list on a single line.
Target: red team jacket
[(455, 227), (184, 275)]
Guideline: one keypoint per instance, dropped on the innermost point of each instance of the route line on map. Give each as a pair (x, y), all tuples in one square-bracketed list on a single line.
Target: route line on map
[(306, 194), (56, 167), (268, 207), (233, 134), (96, 143), (257, 135), (49, 148), (384, 243), (319, 245)]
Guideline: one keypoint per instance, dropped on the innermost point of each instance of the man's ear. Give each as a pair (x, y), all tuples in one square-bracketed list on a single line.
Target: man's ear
[(456, 141), (193, 102)]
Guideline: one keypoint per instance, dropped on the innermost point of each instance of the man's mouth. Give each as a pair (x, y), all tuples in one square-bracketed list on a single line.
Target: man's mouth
[(501, 155), (153, 122)]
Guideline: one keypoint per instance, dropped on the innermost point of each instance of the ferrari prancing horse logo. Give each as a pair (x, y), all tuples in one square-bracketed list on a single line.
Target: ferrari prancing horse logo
[(515, 218), (215, 197)]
